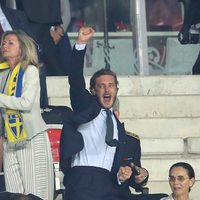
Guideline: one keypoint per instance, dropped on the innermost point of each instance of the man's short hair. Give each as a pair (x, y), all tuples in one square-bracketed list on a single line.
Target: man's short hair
[(99, 73)]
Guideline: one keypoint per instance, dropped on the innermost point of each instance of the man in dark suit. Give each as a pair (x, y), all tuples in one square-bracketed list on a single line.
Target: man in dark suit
[(99, 164)]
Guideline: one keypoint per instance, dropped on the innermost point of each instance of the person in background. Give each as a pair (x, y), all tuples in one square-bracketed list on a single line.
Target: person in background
[(62, 47), (163, 15), (11, 19), (49, 20), (181, 180), (27, 158)]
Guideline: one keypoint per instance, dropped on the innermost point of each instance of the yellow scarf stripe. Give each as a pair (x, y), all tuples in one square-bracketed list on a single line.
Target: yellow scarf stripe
[(15, 129), (4, 65), (11, 89)]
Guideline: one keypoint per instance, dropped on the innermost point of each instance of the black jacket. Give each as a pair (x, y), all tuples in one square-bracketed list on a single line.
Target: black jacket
[(85, 108), (42, 11)]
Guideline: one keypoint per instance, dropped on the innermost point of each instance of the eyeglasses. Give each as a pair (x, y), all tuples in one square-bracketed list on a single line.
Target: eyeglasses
[(178, 178)]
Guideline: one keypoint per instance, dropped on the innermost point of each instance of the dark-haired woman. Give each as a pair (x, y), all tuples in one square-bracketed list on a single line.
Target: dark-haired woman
[(181, 180)]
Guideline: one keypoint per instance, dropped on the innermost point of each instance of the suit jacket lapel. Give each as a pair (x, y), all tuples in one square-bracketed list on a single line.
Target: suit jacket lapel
[(88, 114)]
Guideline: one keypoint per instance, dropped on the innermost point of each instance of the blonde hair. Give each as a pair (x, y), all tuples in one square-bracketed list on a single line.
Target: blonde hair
[(28, 47)]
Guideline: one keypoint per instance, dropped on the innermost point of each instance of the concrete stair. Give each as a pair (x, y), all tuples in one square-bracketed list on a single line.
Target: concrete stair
[(164, 112)]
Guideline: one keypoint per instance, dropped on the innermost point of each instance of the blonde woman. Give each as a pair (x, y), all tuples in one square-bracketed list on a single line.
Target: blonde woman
[(27, 155)]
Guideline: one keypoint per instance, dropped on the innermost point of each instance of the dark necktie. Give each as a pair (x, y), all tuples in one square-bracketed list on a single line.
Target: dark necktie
[(110, 130)]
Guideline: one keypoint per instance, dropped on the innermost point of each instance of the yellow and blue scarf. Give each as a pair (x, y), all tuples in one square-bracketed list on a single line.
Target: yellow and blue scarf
[(4, 65), (14, 125)]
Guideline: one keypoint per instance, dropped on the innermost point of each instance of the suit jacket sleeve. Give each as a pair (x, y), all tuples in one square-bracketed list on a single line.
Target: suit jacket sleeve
[(65, 14), (132, 154), (137, 161), (79, 96)]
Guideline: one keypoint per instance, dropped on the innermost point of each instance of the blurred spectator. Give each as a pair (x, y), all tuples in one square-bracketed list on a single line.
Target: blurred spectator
[(91, 12), (62, 47), (49, 20), (118, 13), (163, 15)]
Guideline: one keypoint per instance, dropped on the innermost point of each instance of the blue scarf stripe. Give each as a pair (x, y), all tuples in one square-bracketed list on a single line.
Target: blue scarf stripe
[(19, 83)]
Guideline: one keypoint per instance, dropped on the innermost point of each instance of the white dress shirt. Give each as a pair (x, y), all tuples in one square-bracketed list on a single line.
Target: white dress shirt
[(95, 151)]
